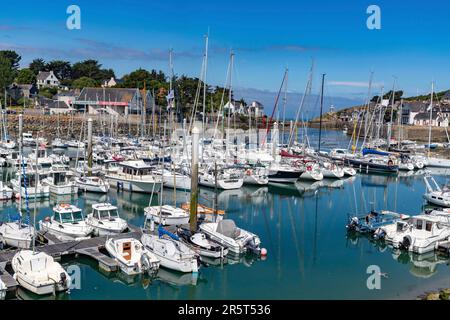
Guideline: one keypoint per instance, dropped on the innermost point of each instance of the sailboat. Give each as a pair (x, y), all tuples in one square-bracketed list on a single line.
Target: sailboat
[(17, 233)]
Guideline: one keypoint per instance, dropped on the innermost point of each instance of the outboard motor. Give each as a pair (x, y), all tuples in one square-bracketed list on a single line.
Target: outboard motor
[(405, 243), (252, 247), (353, 224), (379, 234)]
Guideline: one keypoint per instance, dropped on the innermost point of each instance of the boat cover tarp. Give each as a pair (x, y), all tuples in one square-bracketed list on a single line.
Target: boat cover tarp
[(227, 227), (373, 151), (286, 154)]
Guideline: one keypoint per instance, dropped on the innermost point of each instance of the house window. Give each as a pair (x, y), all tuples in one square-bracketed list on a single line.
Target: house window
[(48, 81)]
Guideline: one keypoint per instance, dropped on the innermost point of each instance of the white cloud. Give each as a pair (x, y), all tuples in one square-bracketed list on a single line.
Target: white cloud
[(357, 84)]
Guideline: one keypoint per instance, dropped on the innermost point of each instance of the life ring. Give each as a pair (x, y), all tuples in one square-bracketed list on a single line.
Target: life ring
[(309, 168)]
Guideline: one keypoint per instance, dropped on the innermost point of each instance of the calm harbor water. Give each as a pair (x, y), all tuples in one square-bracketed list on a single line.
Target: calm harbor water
[(310, 255)]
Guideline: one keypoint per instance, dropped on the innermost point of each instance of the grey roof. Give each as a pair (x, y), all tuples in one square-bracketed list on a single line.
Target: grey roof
[(426, 115), (43, 75), (52, 104), (416, 106), (107, 94)]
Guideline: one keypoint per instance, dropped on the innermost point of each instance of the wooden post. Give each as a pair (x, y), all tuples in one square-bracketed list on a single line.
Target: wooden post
[(89, 147), (194, 180)]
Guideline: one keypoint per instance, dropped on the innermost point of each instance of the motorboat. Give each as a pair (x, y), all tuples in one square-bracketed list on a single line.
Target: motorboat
[(39, 273), (172, 253), (92, 184), (438, 162), (228, 235), (75, 144), (105, 220), (28, 140), (373, 222), (58, 143), (60, 181), (132, 257), (423, 233), (201, 244), (67, 223), (135, 176), (167, 215), (82, 168), (435, 194), (25, 182)]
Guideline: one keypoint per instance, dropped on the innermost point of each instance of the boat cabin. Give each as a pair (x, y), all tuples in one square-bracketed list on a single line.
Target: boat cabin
[(136, 168), (66, 213), (105, 211)]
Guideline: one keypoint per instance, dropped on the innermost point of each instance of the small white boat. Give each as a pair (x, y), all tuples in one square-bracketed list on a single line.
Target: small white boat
[(17, 234), (422, 233), (228, 235), (256, 176), (28, 140), (226, 179), (204, 246), (2, 290), (67, 223), (39, 273), (332, 171), (74, 144), (349, 171), (105, 220), (167, 215), (6, 192), (174, 179), (82, 168), (58, 143), (435, 194), (173, 254), (312, 172), (132, 257), (438, 162), (92, 184), (60, 181), (8, 144)]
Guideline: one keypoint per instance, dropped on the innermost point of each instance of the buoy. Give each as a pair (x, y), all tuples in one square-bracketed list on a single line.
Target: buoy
[(263, 252)]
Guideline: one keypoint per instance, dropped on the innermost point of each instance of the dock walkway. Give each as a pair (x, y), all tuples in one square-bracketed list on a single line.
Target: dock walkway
[(57, 249)]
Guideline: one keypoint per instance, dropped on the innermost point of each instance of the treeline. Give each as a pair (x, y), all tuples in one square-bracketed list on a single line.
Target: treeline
[(90, 73)]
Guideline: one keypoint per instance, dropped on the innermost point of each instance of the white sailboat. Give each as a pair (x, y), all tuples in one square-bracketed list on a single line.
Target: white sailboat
[(92, 184), (172, 253)]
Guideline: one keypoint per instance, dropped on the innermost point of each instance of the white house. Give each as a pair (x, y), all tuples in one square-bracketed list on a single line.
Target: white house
[(47, 79), (109, 83), (411, 109)]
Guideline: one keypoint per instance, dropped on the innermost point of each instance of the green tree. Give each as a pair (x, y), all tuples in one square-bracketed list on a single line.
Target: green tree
[(91, 69), (13, 57), (48, 92), (37, 65), (61, 69), (6, 73), (26, 76), (84, 82)]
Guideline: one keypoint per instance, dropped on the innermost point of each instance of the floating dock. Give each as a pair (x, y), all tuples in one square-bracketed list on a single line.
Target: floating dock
[(57, 249)]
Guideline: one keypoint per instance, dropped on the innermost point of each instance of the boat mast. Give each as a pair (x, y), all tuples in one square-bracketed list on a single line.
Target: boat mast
[(431, 118), (35, 195), (205, 72), (392, 116), (321, 110)]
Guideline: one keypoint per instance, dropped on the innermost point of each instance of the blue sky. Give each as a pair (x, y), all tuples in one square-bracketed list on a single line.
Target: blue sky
[(413, 44)]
